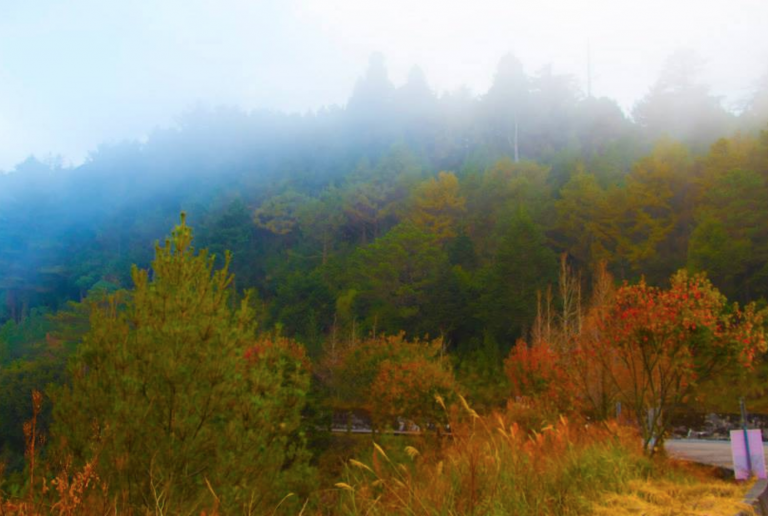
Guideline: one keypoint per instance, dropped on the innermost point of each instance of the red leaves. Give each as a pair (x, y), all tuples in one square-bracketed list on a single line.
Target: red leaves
[(674, 318), (270, 350), (408, 388), (254, 353), (663, 341), (646, 346), (538, 371)]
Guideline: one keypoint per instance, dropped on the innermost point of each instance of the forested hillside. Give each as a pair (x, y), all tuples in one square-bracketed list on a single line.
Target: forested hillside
[(308, 193), (404, 232)]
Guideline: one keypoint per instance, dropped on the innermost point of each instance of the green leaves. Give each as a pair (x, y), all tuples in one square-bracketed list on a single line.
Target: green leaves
[(730, 240), (522, 266), (397, 271)]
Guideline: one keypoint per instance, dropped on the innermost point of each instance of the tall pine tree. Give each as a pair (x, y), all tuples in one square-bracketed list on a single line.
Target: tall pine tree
[(176, 399)]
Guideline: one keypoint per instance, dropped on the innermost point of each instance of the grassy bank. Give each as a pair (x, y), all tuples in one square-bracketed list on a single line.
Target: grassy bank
[(502, 464)]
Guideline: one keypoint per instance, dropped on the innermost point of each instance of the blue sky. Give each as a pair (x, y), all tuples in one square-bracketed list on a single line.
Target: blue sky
[(74, 73)]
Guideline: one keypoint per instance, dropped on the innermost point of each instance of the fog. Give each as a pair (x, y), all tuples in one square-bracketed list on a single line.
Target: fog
[(75, 74)]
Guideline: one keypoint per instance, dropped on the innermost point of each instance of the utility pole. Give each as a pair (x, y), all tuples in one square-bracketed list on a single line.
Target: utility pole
[(589, 69)]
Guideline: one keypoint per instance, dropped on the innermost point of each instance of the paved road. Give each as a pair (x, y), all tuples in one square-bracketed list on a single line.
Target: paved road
[(717, 453)]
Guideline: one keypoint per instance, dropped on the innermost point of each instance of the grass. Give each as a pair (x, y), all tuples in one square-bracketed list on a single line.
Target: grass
[(496, 466), (663, 497)]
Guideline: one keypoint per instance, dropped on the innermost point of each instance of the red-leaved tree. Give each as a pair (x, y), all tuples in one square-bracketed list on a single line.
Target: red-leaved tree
[(658, 344)]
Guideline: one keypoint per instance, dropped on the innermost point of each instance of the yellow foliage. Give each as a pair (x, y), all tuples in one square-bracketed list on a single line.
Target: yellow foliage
[(438, 205)]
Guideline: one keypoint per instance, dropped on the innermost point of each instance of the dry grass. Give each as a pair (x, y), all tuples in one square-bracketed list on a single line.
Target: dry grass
[(496, 466), (504, 465), (671, 498)]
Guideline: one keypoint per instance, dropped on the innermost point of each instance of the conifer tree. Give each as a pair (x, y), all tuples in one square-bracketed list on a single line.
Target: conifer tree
[(176, 398)]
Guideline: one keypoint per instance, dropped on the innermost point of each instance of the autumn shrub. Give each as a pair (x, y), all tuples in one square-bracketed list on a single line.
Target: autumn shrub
[(538, 373), (391, 377)]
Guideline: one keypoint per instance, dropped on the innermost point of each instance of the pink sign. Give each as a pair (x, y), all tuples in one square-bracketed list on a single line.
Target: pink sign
[(756, 453)]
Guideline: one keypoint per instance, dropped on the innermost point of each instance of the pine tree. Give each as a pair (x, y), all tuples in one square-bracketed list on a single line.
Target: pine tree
[(175, 396)]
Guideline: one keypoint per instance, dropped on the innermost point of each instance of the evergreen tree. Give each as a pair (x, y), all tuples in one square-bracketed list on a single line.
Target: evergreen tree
[(175, 398), (523, 265)]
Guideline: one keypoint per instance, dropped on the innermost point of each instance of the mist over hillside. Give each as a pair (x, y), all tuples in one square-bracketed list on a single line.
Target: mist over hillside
[(64, 230)]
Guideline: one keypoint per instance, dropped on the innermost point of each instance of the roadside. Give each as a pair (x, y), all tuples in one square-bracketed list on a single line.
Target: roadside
[(715, 453)]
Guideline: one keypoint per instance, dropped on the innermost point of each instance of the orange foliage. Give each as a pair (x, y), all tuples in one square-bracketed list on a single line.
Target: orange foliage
[(538, 371), (645, 346), (270, 350), (408, 388)]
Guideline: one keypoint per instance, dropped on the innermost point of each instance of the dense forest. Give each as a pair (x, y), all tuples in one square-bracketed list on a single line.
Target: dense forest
[(385, 260)]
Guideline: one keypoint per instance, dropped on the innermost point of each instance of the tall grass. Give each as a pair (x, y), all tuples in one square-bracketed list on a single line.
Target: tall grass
[(496, 466)]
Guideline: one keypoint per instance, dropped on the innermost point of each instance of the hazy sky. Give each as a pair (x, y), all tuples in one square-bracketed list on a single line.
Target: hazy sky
[(74, 73)]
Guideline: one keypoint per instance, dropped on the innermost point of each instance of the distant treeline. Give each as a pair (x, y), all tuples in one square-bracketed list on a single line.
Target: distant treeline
[(297, 196)]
